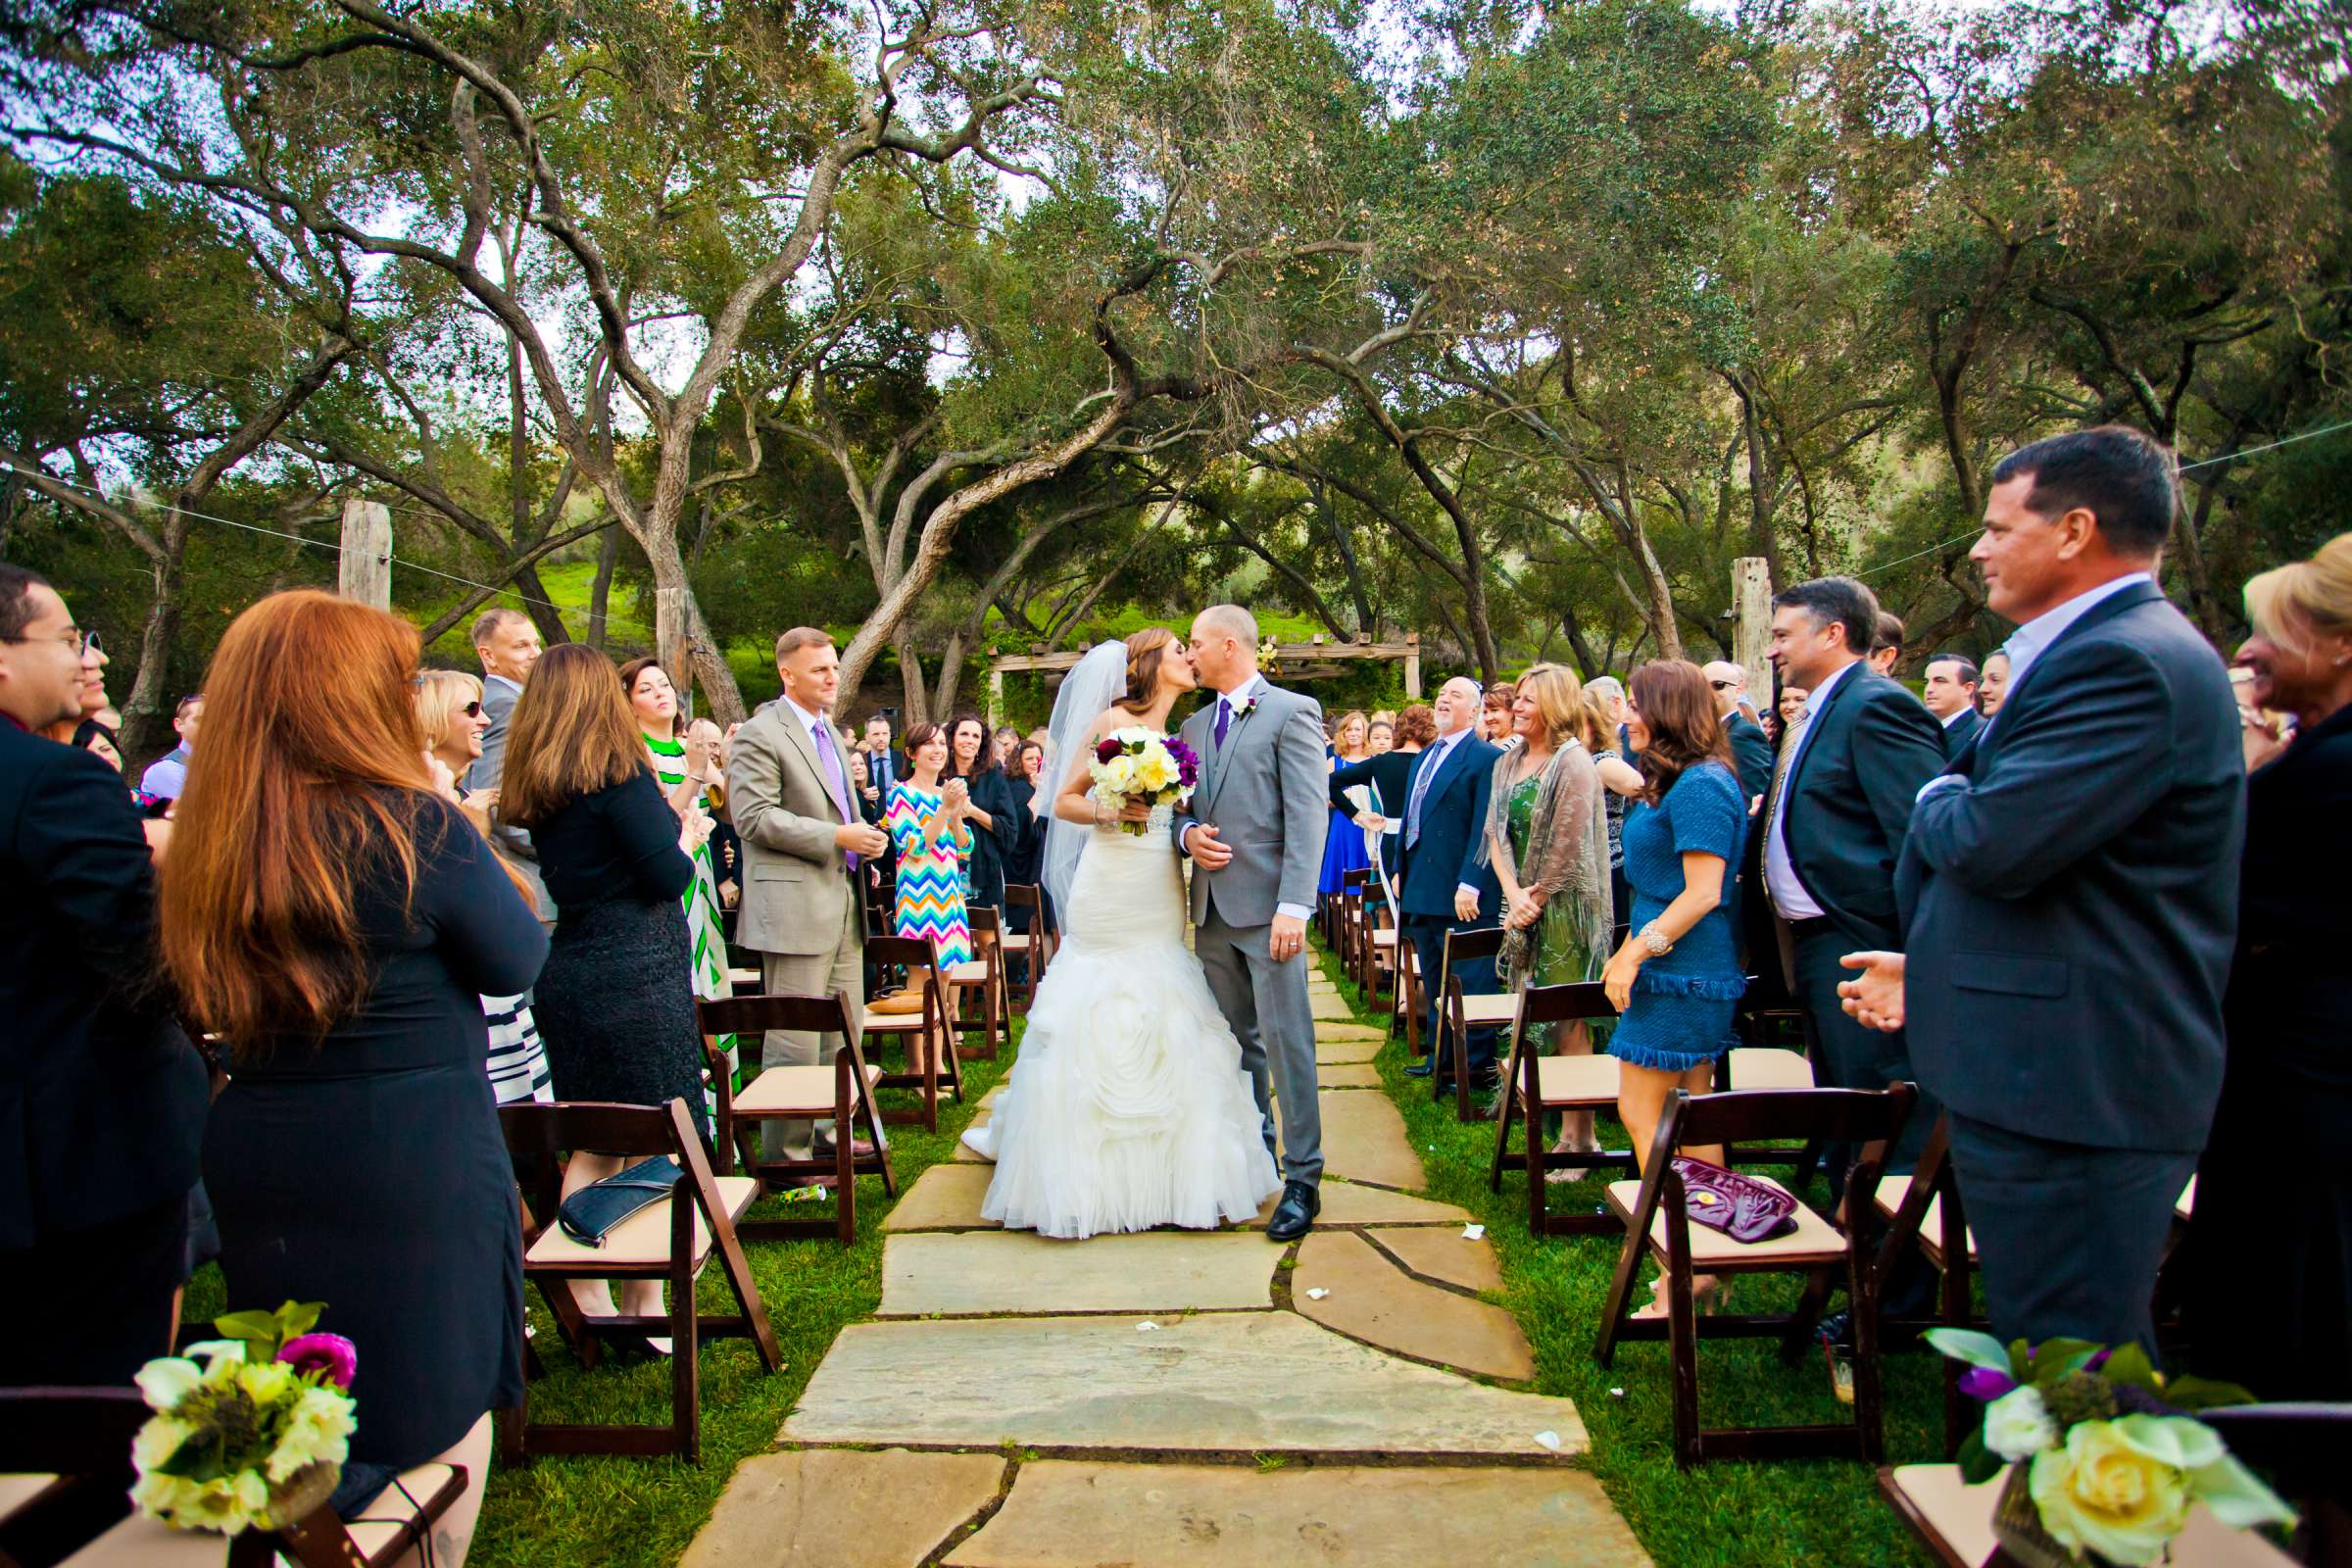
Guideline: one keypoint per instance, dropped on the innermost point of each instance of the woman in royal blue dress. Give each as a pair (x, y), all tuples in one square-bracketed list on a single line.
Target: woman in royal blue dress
[(1676, 977), (1343, 848)]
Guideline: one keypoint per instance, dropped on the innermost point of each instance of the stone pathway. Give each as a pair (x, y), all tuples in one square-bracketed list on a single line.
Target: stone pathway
[(1195, 1399)]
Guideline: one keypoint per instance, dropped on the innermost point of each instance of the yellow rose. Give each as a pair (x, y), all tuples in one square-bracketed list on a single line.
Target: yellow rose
[(1157, 772), (1118, 774), (2104, 1493)]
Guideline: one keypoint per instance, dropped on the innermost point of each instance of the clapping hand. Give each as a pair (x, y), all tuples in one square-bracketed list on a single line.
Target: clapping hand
[(694, 828), (956, 794), (1875, 996)]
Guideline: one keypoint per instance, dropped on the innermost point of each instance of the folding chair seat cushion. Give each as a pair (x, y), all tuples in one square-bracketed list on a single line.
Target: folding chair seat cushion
[(1015, 941), (1577, 1082), (1485, 1008), (2186, 1207), (792, 1092), (974, 973), (1892, 1190), (1815, 1240), (1384, 937), (18, 1491), (742, 979), (142, 1542), (643, 1236), (1769, 1067), (893, 1023)]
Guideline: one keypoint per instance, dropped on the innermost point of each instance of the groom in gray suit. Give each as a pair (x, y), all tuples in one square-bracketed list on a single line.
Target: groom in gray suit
[(1255, 835)]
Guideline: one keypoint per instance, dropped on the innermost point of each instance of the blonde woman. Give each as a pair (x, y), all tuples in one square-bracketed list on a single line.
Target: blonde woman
[(1547, 838), (1344, 848)]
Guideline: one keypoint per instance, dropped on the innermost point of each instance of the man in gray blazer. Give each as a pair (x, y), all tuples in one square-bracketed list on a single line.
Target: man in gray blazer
[(1255, 834), (788, 784), (508, 645)]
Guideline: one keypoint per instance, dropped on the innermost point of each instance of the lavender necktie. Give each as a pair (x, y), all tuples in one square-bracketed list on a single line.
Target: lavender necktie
[(837, 779)]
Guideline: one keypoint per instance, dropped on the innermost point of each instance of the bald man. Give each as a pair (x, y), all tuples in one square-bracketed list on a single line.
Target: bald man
[(1751, 753), (1446, 887)]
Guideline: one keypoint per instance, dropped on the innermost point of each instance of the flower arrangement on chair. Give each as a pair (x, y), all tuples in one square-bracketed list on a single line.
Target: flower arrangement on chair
[(2104, 1459), (254, 1437), (1140, 767)]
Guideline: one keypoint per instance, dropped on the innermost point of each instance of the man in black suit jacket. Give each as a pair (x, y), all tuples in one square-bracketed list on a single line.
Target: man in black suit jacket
[(1834, 828), (1950, 693), (102, 1098), (1447, 888), (1751, 753), (2069, 900)]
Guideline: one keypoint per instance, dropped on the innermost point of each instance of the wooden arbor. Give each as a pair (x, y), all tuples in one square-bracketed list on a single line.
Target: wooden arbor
[(1319, 657)]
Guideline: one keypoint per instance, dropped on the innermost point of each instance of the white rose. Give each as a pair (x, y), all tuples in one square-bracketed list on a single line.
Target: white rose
[(167, 1380), (2017, 1424)]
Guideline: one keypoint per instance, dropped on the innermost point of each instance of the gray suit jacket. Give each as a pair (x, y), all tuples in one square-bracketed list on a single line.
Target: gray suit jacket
[(796, 880), (1266, 793), (499, 695)]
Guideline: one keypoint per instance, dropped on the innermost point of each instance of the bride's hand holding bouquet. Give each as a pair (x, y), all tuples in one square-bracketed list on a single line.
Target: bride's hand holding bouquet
[(1136, 771)]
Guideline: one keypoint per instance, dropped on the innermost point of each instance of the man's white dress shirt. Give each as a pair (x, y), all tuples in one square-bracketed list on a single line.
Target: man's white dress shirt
[(1788, 895)]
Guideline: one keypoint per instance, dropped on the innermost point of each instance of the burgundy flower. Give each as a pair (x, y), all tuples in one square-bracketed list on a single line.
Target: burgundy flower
[(1109, 750), (330, 1353)]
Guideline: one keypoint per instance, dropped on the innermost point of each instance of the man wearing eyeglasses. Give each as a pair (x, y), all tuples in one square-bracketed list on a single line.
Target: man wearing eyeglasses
[(102, 1098), (168, 774)]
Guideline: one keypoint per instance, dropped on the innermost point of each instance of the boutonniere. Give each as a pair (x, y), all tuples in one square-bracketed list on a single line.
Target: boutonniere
[(1245, 706)]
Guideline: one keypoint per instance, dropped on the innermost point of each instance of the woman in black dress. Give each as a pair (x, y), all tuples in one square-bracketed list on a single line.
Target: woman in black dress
[(996, 814), (337, 924), (616, 1002), (1390, 774), (2270, 1288)]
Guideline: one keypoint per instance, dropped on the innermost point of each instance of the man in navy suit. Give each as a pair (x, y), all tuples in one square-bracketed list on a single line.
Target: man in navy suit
[(1950, 693), (102, 1098), (1834, 826), (2069, 900), (1446, 887), (1751, 753)]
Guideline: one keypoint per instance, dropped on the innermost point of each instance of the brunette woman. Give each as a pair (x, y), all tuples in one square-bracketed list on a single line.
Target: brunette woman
[(926, 818), (336, 924), (684, 759), (615, 1004), (994, 809)]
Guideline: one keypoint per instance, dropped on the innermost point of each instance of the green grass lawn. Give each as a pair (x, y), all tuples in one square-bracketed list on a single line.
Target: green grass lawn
[(641, 1513)]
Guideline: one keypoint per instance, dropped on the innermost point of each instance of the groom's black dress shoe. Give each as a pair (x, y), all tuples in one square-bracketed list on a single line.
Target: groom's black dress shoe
[(1291, 1217)]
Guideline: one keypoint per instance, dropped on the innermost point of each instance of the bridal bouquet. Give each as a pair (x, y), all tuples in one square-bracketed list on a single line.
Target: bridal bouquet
[(1139, 767), (2104, 1460), (256, 1435)]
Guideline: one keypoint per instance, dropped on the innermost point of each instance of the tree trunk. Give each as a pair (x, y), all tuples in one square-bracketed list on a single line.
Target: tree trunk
[(145, 719), (916, 707), (950, 677), (600, 593)]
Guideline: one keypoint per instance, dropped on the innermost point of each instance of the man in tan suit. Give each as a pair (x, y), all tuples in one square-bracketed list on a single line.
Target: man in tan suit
[(789, 786)]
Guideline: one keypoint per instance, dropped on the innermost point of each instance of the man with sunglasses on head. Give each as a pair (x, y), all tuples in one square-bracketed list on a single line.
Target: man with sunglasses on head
[(168, 774), (1751, 753), (102, 1098)]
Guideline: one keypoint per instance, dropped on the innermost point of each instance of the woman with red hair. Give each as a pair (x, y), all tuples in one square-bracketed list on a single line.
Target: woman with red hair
[(336, 923)]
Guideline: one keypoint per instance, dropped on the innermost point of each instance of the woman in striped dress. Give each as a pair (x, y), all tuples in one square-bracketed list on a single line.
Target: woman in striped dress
[(687, 770), (925, 820)]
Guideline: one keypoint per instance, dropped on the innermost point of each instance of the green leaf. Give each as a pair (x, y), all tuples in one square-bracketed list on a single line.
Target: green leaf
[(2204, 1394), (2237, 1496), (1967, 1344), (1978, 1463), (2130, 1365), (2054, 1359), (247, 1326)]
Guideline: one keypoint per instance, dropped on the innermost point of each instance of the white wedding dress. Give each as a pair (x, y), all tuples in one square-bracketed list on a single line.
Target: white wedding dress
[(1128, 1107)]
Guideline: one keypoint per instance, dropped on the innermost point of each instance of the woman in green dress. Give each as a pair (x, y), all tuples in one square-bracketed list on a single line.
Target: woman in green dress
[(1547, 838), (686, 766)]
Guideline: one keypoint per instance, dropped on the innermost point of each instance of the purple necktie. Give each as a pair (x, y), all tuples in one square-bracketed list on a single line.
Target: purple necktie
[(1224, 720), (837, 781)]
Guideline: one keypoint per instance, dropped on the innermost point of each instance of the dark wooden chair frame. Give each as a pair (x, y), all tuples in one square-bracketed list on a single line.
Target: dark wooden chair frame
[(1947, 1253), (943, 1060), (988, 950), (737, 1133), (1522, 1095), (535, 1135), (1348, 909), (1039, 950), (1871, 1118), (1454, 1024), (84, 1437)]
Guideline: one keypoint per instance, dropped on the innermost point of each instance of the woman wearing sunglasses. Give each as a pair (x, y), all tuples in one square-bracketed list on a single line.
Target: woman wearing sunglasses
[(449, 707)]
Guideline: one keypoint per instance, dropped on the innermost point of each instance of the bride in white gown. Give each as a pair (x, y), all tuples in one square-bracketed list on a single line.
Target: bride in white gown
[(1128, 1107)]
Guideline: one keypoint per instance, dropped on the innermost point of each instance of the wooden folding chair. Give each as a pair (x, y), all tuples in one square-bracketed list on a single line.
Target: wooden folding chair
[(982, 975), (843, 1091), (1348, 938), (1033, 943), (69, 1452), (1658, 1225), (1534, 1085), (1922, 1209), (1460, 1011), (671, 1240), (927, 1037)]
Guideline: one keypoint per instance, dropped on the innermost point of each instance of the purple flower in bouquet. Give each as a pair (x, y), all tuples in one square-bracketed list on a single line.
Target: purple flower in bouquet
[(330, 1353), (1109, 750), (1188, 761), (1984, 1385)]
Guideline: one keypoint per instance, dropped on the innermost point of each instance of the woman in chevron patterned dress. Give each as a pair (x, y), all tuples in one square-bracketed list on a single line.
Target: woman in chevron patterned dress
[(925, 820), (687, 770)]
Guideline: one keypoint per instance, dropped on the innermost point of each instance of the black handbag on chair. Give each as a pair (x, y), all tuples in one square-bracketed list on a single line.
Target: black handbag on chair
[(589, 1214)]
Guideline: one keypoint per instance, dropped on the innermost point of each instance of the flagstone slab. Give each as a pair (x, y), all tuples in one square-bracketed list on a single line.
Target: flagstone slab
[(1346, 1053), (1156, 1271), (1371, 1298), (1328, 1033), (1364, 1140), (945, 1198), (1347, 1204), (1446, 1256), (844, 1507), (1348, 1075), (1064, 1514), (1222, 1382), (1329, 1006)]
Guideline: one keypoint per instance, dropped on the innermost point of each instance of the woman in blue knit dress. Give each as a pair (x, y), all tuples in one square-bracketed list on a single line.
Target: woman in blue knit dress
[(1676, 977)]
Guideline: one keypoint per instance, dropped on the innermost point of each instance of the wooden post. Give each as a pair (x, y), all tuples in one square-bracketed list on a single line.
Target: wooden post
[(996, 698), (1751, 601), (669, 621), (1412, 667), (365, 569)]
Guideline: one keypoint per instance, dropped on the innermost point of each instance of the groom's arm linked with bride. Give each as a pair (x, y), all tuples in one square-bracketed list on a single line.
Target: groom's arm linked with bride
[(1255, 834)]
